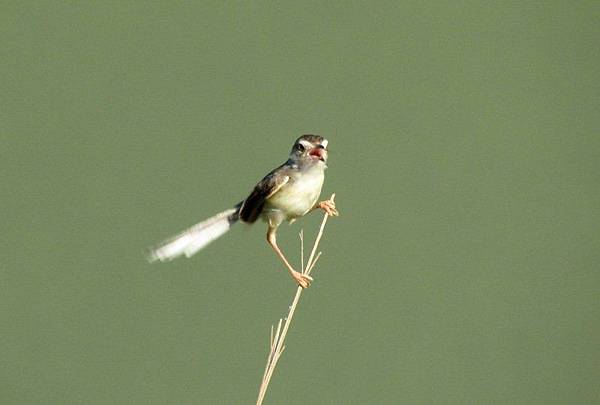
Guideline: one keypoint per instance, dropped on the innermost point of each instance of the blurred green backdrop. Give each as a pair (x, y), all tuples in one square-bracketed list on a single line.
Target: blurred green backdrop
[(465, 150)]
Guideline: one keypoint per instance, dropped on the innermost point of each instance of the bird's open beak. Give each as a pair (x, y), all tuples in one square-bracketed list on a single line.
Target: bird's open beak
[(319, 152)]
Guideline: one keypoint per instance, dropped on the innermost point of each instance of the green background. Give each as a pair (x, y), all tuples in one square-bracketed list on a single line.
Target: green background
[(464, 154)]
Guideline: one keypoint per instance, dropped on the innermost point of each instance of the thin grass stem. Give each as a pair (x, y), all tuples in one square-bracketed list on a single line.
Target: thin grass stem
[(277, 347)]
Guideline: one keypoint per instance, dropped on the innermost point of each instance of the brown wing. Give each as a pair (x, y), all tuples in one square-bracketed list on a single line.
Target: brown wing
[(269, 185)]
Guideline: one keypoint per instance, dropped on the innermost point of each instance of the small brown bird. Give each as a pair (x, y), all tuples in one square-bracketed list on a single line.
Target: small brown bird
[(285, 194)]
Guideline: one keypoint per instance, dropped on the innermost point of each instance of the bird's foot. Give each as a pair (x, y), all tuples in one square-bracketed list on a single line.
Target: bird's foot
[(329, 207), (303, 280)]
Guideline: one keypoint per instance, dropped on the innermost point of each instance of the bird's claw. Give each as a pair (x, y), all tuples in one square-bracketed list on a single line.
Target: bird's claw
[(303, 280), (329, 207)]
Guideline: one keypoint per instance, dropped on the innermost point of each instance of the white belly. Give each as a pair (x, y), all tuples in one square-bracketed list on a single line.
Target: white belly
[(299, 195)]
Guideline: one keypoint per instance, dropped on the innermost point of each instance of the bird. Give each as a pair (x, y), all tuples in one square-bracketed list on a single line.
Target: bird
[(285, 194)]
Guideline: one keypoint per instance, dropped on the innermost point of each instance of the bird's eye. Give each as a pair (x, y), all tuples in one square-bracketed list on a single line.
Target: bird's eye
[(300, 147)]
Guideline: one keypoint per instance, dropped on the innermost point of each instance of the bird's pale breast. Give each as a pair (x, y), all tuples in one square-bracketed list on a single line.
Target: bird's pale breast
[(299, 195)]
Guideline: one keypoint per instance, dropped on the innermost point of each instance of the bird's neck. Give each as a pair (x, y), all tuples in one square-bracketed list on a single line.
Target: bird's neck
[(307, 166)]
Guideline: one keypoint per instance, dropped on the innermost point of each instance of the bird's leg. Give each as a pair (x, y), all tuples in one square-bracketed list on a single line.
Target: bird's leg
[(329, 207), (303, 280)]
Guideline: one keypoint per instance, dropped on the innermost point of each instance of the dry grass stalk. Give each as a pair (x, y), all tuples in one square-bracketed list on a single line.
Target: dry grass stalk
[(278, 336)]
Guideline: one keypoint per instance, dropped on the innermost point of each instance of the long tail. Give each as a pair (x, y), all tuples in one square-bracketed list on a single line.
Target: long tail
[(193, 239)]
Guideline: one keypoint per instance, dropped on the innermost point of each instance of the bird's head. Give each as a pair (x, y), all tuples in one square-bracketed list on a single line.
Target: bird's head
[(309, 149)]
